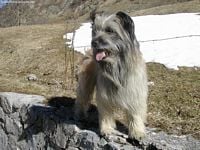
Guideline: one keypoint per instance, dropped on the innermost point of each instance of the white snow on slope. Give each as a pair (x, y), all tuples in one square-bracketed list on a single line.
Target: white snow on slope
[(150, 30)]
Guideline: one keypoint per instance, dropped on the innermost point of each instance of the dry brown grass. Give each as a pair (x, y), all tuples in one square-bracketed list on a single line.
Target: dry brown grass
[(39, 50), (174, 100)]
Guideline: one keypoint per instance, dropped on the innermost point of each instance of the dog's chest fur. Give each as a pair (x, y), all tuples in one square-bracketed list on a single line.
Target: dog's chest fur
[(114, 93), (110, 91)]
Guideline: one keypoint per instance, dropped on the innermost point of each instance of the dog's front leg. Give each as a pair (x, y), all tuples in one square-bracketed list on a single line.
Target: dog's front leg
[(106, 119), (136, 127), (86, 85)]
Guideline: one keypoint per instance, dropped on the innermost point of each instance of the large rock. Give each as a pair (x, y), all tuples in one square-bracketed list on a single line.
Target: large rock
[(27, 123)]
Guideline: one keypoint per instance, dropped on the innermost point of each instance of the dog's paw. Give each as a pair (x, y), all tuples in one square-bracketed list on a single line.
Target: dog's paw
[(136, 138), (106, 135), (137, 134), (106, 132)]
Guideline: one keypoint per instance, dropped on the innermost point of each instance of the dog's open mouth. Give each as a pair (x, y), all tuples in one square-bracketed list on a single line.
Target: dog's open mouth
[(101, 55)]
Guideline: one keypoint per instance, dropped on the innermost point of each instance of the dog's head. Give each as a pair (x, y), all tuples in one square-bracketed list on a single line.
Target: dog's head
[(112, 36)]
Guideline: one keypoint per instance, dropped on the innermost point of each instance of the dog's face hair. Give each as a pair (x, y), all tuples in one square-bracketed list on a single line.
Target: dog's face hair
[(114, 44), (112, 36)]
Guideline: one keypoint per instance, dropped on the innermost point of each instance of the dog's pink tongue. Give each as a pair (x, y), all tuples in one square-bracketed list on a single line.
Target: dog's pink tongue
[(100, 56)]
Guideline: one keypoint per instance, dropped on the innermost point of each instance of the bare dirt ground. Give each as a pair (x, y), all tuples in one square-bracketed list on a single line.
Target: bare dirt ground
[(174, 99)]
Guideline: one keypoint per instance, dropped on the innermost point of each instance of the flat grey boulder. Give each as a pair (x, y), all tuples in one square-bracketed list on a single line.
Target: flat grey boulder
[(26, 122)]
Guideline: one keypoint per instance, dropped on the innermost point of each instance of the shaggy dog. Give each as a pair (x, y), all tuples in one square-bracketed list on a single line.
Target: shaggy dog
[(117, 71)]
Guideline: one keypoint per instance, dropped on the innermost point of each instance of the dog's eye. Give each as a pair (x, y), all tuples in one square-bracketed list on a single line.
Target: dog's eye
[(109, 30)]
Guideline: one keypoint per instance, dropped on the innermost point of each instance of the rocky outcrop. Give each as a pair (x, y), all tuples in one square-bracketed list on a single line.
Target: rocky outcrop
[(27, 123)]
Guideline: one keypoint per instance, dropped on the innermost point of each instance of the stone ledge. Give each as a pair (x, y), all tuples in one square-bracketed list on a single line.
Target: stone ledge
[(27, 123)]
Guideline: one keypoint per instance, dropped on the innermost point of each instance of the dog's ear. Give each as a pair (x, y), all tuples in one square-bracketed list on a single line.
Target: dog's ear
[(127, 23), (94, 13)]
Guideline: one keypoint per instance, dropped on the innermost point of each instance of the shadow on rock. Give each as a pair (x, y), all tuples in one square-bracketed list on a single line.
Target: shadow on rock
[(59, 111)]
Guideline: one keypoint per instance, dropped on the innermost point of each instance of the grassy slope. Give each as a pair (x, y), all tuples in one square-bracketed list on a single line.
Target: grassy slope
[(37, 49), (174, 100)]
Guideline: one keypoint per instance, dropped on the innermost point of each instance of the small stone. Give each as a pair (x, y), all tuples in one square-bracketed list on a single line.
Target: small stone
[(32, 77), (151, 83), (102, 142)]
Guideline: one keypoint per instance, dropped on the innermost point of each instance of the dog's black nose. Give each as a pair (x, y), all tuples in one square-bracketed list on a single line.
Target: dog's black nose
[(95, 43)]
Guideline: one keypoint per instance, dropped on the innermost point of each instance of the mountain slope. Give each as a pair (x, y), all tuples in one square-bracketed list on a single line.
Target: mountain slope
[(47, 11)]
